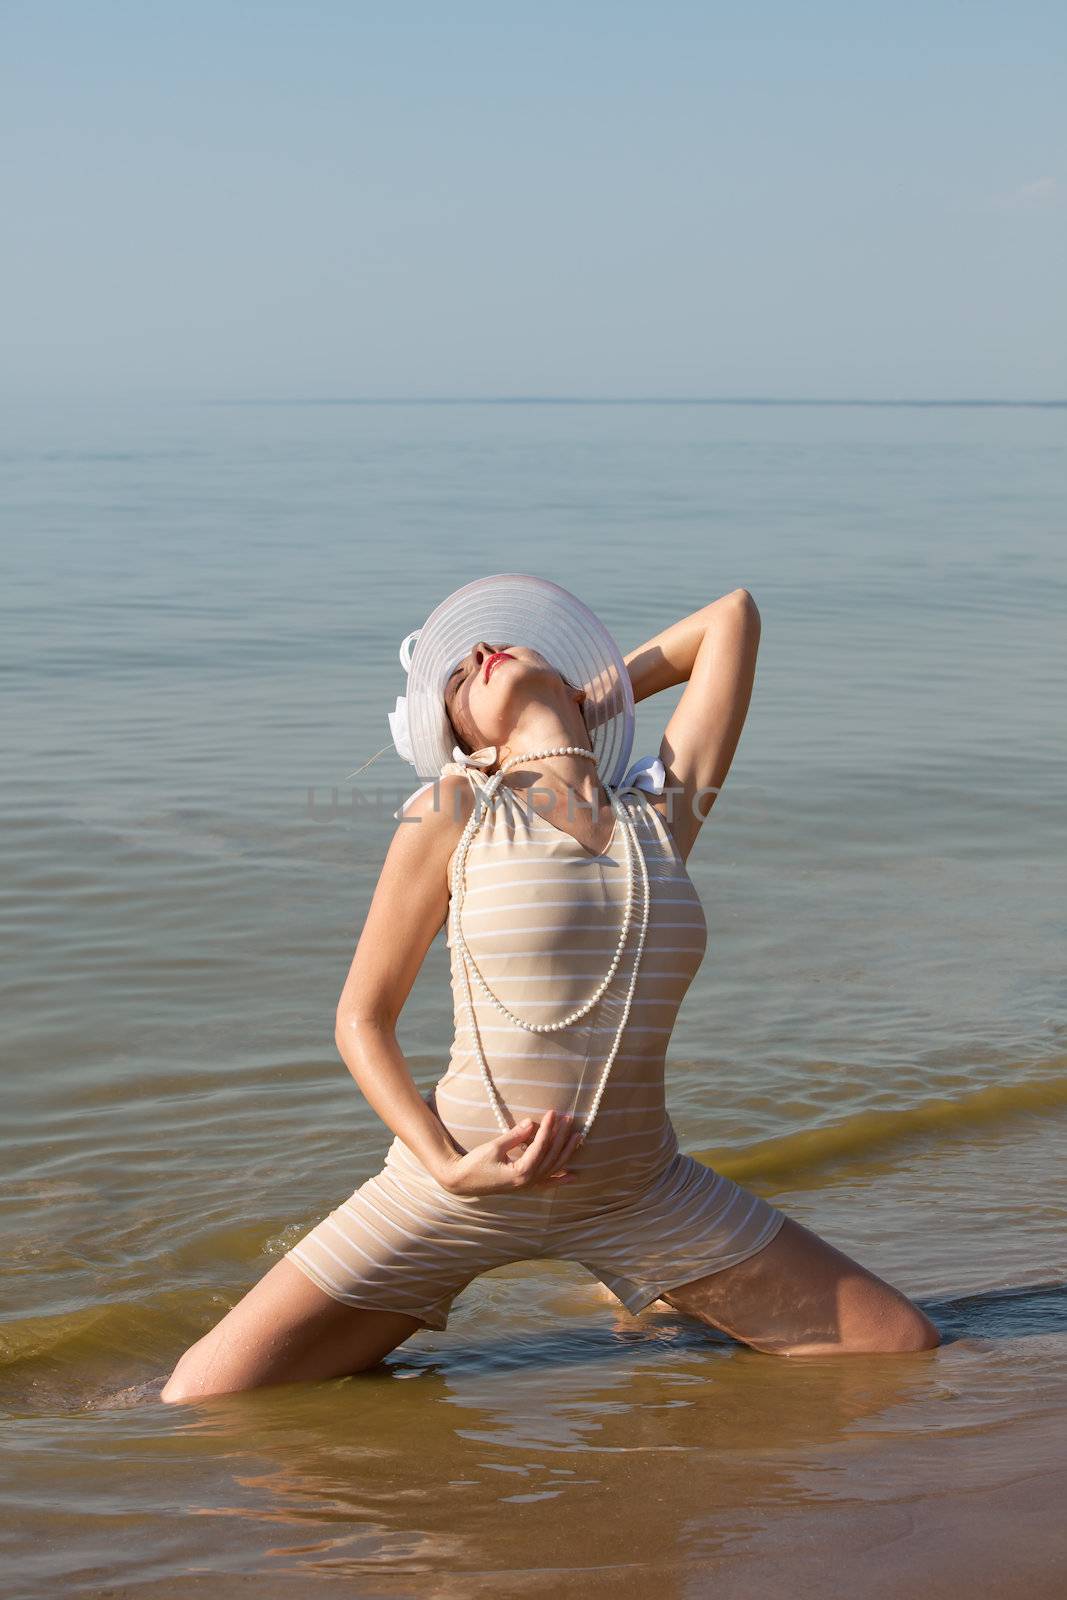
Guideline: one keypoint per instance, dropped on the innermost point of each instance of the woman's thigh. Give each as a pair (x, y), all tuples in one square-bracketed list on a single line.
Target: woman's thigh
[(800, 1295), (285, 1330)]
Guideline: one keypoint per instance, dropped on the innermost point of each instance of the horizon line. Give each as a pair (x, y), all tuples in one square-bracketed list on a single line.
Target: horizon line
[(622, 400)]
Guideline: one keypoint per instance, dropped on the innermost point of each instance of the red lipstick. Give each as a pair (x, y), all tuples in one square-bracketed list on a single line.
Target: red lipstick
[(498, 655)]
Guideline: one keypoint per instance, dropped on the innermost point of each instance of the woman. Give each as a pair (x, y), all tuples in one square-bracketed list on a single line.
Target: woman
[(573, 939)]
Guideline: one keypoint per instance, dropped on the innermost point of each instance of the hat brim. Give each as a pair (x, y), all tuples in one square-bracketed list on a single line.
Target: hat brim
[(520, 609)]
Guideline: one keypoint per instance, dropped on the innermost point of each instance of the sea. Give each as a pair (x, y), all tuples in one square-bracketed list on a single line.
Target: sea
[(202, 607)]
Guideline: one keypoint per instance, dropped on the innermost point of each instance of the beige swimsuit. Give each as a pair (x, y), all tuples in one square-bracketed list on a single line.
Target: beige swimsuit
[(541, 917)]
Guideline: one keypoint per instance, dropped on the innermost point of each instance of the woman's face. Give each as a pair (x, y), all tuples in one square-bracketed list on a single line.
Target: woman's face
[(485, 692)]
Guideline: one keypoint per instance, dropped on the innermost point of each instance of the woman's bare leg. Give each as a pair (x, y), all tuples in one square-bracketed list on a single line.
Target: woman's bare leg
[(285, 1330), (801, 1296)]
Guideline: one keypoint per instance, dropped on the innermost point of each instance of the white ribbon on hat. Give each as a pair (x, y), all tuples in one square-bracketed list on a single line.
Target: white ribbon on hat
[(398, 717), (398, 727)]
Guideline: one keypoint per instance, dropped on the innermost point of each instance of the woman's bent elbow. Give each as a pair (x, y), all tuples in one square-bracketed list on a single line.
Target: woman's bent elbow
[(352, 1025)]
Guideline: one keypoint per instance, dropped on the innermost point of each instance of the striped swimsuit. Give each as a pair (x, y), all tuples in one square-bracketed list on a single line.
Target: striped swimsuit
[(541, 917)]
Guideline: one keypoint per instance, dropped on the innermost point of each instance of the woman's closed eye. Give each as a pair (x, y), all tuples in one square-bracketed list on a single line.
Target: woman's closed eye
[(455, 679)]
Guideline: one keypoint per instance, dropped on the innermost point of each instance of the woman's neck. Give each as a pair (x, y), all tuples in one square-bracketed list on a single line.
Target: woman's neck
[(572, 780)]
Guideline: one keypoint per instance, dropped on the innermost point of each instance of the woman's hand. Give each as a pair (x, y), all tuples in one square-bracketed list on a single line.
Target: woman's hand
[(490, 1169)]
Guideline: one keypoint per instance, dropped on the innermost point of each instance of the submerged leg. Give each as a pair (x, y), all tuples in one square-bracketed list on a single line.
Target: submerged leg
[(800, 1295), (285, 1330)]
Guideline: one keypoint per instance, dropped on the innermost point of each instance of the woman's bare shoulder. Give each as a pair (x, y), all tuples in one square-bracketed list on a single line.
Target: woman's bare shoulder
[(431, 825), (409, 906)]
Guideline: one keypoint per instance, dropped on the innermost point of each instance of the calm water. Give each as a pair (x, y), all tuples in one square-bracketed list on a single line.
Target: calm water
[(201, 614)]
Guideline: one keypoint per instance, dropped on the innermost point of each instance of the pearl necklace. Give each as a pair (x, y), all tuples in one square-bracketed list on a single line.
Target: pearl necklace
[(459, 886)]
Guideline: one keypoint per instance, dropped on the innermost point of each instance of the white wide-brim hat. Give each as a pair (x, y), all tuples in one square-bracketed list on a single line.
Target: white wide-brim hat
[(513, 608)]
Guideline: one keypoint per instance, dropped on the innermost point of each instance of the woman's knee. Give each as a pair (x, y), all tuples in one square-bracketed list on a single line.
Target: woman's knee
[(879, 1319), (905, 1330), (179, 1390), (191, 1378), (905, 1341), (221, 1366), (181, 1385), (911, 1331)]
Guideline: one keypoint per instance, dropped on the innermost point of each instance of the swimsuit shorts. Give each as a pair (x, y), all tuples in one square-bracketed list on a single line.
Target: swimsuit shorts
[(403, 1243)]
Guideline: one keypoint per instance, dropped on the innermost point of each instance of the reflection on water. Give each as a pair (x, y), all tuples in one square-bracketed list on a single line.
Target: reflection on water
[(642, 1448)]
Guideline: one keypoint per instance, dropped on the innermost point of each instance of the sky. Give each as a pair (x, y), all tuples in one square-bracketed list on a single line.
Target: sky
[(219, 201)]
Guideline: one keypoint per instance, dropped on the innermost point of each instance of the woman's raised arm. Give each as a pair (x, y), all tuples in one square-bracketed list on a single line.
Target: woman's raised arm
[(713, 652)]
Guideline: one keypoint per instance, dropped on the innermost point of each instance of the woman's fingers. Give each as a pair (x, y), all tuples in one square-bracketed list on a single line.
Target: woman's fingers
[(548, 1146), (519, 1134), (541, 1147), (558, 1147), (556, 1171), (555, 1141), (501, 1163), (532, 1156)]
